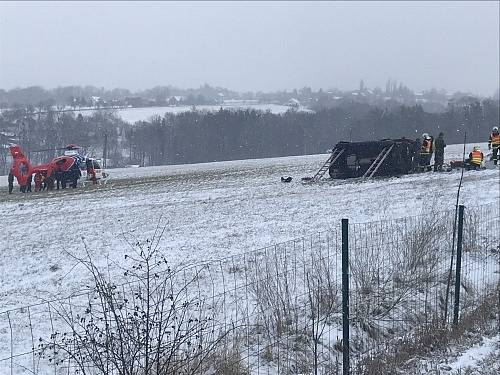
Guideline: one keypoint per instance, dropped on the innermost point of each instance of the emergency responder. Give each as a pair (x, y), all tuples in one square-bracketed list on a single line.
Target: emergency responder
[(91, 175), (28, 184), (11, 182), (476, 157), (58, 174), (439, 145), (416, 154), (426, 151), (38, 181), (494, 144), (44, 182), (49, 182)]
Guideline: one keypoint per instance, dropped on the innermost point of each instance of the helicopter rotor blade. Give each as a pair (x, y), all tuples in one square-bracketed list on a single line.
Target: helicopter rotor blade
[(60, 148)]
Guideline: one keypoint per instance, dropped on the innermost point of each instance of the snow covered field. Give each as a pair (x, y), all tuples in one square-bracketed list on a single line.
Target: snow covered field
[(132, 115), (210, 210)]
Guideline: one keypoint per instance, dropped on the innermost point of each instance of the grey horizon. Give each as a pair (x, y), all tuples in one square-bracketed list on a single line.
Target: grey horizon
[(246, 46)]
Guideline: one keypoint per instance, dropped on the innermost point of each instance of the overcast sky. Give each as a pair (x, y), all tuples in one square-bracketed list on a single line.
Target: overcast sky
[(251, 46)]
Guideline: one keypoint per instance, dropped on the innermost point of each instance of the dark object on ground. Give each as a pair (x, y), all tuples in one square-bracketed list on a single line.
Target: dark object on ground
[(456, 164), (287, 179), (368, 159)]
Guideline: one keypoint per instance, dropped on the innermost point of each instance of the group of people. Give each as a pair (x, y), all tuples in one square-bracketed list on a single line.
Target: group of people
[(427, 146), (424, 149), (43, 182), (56, 180)]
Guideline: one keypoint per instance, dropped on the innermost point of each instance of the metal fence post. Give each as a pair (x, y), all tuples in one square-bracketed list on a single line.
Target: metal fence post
[(459, 264), (345, 297)]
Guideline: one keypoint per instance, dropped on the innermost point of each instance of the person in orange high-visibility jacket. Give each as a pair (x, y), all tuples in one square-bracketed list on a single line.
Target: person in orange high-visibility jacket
[(494, 143), (426, 151), (476, 158)]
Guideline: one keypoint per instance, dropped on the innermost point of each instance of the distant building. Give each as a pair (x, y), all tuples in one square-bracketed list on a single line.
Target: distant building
[(294, 103), (95, 100), (175, 100), (419, 97)]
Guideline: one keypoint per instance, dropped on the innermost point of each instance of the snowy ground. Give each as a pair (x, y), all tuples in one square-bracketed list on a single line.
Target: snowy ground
[(474, 356), (211, 210), (132, 115)]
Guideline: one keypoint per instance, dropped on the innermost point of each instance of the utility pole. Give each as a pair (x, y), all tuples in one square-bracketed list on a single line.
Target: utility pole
[(105, 150), (346, 369)]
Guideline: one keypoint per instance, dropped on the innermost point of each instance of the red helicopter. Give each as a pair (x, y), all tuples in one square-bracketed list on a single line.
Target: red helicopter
[(65, 169)]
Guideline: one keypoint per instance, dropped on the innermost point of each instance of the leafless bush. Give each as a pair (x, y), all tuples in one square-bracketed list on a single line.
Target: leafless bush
[(324, 303), (227, 358), (273, 288), (398, 278), (149, 325), (472, 224), (298, 302), (431, 338), (421, 249)]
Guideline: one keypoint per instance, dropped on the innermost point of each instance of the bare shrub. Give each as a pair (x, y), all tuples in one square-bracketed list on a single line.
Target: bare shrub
[(472, 223), (324, 304), (149, 325), (227, 358), (421, 250), (431, 338), (272, 286), (397, 277), (298, 303)]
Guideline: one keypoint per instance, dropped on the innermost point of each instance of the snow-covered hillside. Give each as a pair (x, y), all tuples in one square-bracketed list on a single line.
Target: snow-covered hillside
[(132, 115), (210, 210)]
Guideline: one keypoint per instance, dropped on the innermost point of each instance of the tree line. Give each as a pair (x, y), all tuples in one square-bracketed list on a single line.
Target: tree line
[(195, 136), (53, 130)]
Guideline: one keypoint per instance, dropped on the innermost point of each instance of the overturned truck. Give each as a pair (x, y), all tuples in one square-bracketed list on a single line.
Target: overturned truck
[(387, 157)]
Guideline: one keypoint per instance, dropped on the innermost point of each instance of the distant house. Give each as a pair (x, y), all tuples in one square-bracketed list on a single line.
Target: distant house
[(294, 103), (95, 100), (175, 100), (419, 97), (6, 138)]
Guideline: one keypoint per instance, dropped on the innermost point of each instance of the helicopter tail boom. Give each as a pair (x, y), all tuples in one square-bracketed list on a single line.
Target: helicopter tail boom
[(21, 168)]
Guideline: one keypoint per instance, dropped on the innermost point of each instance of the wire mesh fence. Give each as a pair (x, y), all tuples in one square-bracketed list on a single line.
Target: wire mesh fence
[(276, 310)]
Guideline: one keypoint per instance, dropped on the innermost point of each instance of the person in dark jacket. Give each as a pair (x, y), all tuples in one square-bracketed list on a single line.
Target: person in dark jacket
[(49, 182), (416, 154), (11, 182), (439, 145), (58, 174), (28, 184), (494, 144)]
